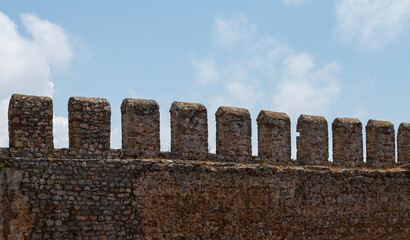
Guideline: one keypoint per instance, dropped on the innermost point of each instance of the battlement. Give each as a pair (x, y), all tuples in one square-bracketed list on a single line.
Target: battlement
[(31, 134), (89, 191)]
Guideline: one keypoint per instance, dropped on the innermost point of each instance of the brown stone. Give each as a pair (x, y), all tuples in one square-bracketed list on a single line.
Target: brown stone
[(233, 133), (313, 141), (92, 130), (140, 126), (403, 143), (31, 122), (189, 130), (380, 143), (347, 142), (274, 141)]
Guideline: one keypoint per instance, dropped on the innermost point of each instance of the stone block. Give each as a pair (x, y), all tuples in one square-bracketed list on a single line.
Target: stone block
[(313, 141), (189, 130), (403, 143), (89, 123), (31, 123), (140, 126), (233, 133), (380, 143), (274, 141), (347, 142)]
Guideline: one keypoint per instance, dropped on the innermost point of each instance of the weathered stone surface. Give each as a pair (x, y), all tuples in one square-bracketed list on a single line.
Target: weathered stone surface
[(89, 123), (274, 141), (313, 141), (92, 192), (31, 124), (165, 199), (16, 217), (403, 143), (233, 133), (380, 143), (140, 126), (189, 130), (347, 142)]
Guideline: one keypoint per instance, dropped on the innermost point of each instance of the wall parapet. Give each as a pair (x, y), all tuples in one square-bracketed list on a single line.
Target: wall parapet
[(31, 135)]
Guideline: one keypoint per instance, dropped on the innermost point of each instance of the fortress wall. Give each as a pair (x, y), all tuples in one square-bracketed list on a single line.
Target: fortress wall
[(380, 143), (177, 199), (274, 140), (189, 130), (233, 133), (89, 123), (140, 127), (313, 141), (30, 125), (403, 143), (89, 191), (347, 142)]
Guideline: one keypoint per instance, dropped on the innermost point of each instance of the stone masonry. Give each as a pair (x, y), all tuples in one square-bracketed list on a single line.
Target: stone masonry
[(177, 199), (140, 127), (380, 143), (313, 141), (31, 125), (233, 133), (89, 123), (403, 143), (189, 130), (274, 141), (347, 142), (89, 191)]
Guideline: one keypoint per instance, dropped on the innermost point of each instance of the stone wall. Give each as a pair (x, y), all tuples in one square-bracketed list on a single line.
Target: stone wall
[(189, 130), (403, 143), (233, 133), (380, 143), (176, 199), (140, 126), (313, 141), (30, 125), (347, 142), (89, 123), (274, 140), (89, 191)]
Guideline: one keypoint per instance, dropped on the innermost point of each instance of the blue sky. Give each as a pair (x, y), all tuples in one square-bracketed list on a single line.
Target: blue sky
[(345, 58)]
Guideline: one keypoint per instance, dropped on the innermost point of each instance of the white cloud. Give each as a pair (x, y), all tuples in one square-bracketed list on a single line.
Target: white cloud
[(372, 23), (116, 138), (60, 132), (206, 72), (27, 64), (259, 72), (305, 89), (233, 31)]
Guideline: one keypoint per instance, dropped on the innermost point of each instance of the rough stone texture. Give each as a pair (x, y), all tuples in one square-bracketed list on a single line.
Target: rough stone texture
[(347, 142), (233, 133), (274, 141), (31, 124), (89, 123), (403, 143), (111, 194), (313, 141), (16, 217), (140, 126), (380, 143), (164, 199), (189, 130)]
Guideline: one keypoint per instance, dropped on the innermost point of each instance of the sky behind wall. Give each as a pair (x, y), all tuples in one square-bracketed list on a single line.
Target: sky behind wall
[(345, 58)]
